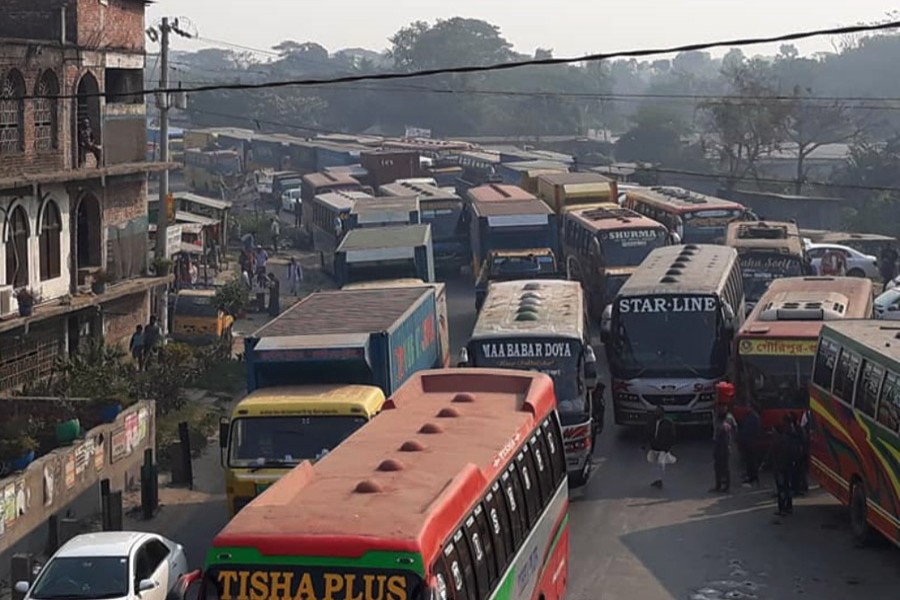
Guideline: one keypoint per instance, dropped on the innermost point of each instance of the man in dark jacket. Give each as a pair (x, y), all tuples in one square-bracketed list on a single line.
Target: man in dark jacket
[(784, 460), (749, 439), (660, 436), (722, 440)]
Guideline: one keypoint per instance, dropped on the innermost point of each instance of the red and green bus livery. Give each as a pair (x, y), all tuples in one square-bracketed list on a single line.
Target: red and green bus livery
[(855, 433), (456, 492)]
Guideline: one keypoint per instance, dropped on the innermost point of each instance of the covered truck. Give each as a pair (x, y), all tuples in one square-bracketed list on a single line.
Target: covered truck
[(391, 252), (318, 372)]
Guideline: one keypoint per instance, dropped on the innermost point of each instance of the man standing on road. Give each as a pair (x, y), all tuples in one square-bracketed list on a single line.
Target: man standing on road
[(722, 440), (151, 339), (784, 459), (294, 276), (660, 437), (888, 265), (276, 233), (749, 434), (262, 259)]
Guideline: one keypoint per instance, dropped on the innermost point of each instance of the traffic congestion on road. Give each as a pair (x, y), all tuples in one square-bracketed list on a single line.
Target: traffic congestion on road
[(545, 388)]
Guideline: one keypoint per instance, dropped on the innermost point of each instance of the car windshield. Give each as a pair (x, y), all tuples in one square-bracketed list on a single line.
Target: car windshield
[(286, 440), (629, 247), (775, 381), (93, 577), (888, 298), (445, 221), (695, 344)]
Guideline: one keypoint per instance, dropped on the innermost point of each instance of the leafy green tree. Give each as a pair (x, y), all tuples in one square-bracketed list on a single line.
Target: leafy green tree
[(654, 138)]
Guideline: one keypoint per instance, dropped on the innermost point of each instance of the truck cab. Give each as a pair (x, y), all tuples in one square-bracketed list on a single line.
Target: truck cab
[(510, 265)]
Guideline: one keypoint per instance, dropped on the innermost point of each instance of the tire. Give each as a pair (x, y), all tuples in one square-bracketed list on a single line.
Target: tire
[(856, 273), (859, 526), (580, 479)]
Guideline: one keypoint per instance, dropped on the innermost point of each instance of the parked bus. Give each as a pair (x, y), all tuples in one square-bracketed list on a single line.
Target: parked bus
[(767, 250), (603, 247), (541, 326), (314, 184), (777, 343), (478, 168), (457, 490), (696, 218), (565, 191), (210, 171), (855, 436), (671, 330), (325, 219)]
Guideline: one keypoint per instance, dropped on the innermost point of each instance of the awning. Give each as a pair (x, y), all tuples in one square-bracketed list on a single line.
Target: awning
[(189, 217)]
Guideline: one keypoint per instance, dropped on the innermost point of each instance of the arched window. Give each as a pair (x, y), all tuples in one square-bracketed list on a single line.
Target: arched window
[(17, 248), (45, 136), (12, 113), (51, 230)]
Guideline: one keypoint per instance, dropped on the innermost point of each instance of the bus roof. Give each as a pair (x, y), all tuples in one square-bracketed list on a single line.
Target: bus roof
[(423, 190), (494, 192), (343, 311), (391, 236), (340, 200), (574, 178), (681, 200), (325, 179), (877, 336), (346, 399), (764, 235), (692, 268), (381, 203), (612, 217), (796, 307), (402, 482), (545, 307)]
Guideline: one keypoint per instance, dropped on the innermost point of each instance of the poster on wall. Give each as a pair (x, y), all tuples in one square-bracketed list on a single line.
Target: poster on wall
[(143, 422), (70, 470), (49, 485), (82, 453), (118, 445), (9, 504), (131, 431), (23, 498), (99, 453)]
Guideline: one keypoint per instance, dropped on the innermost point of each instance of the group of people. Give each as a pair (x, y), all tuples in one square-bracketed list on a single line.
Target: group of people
[(145, 342), (786, 450)]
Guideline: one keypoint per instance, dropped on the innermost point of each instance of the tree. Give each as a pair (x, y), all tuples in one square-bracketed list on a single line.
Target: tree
[(746, 125), (448, 43), (654, 138)]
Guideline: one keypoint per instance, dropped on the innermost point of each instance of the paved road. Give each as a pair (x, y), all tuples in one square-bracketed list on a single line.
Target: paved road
[(632, 542)]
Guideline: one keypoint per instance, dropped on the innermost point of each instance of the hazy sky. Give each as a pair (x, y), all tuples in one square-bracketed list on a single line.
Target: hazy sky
[(569, 27)]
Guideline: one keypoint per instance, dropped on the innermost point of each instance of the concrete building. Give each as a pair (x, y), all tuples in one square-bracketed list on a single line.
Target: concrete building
[(73, 178)]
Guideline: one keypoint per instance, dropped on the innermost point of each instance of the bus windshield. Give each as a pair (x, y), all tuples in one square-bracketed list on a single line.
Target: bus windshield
[(776, 381), (695, 343), (522, 265), (629, 247), (444, 220), (760, 268), (286, 440), (560, 358)]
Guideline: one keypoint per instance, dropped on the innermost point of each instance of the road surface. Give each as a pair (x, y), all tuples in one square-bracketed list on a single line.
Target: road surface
[(632, 542)]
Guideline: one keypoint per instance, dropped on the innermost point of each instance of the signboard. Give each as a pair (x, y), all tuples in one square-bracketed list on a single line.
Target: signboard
[(770, 264), (315, 583), (118, 445), (554, 357), (517, 220), (673, 304), (311, 354), (770, 347), (628, 238), (417, 132), (493, 350), (173, 240), (416, 344)]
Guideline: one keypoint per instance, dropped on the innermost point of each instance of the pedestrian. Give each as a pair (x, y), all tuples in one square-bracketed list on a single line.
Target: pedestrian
[(800, 483), (136, 345), (294, 276), (152, 337), (660, 437), (834, 263), (274, 295), (193, 273), (749, 442), (275, 228), (888, 265), (246, 281), (723, 437), (784, 461), (262, 259)]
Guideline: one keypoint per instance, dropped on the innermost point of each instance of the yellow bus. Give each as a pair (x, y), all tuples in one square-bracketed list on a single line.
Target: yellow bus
[(272, 430)]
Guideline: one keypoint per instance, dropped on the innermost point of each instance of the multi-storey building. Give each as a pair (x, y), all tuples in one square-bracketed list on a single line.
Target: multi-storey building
[(73, 179)]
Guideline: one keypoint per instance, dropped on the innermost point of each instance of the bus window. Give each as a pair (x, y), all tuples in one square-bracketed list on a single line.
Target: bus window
[(442, 579), (889, 407), (554, 449), (479, 555), (545, 478), (501, 530), (485, 537), (513, 496), (826, 357), (529, 488), (541, 491), (467, 565), (451, 560), (845, 375), (869, 386)]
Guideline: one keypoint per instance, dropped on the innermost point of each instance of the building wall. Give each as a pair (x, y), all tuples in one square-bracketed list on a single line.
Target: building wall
[(121, 316), (36, 20), (117, 24), (126, 228)]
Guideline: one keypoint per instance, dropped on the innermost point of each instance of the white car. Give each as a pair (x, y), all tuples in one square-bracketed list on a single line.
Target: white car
[(887, 305), (858, 264), (126, 565), (290, 201)]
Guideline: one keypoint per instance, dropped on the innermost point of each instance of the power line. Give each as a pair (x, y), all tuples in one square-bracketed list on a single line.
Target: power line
[(515, 64)]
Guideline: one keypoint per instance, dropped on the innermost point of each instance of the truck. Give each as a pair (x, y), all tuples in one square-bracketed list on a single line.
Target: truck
[(505, 217), (318, 372), (564, 191), (392, 252)]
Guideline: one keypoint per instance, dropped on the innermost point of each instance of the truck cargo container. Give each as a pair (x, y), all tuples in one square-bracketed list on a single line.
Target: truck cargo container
[(563, 191), (392, 252), (387, 166)]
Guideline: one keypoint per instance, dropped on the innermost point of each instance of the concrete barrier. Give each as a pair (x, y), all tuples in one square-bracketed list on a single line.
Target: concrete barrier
[(66, 482)]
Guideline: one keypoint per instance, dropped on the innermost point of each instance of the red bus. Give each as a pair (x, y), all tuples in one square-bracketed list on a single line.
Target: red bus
[(457, 490), (777, 343), (855, 427)]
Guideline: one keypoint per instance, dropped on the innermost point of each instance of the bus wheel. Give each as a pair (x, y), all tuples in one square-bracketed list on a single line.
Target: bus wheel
[(858, 512)]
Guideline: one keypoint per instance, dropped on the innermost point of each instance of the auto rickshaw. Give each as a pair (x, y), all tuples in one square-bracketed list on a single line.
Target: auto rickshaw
[(197, 320)]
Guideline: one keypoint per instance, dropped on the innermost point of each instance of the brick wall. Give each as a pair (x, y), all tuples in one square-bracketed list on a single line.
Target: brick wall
[(121, 316), (119, 24), (123, 201), (37, 19)]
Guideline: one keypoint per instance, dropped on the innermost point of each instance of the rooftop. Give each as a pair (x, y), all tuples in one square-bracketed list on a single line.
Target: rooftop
[(547, 307), (675, 196), (691, 268), (571, 178), (608, 218), (877, 336), (393, 236)]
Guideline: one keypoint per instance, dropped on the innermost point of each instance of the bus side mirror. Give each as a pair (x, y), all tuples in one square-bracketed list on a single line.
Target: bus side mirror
[(591, 376), (463, 358)]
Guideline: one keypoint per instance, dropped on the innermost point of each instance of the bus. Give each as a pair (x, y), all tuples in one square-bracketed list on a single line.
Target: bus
[(671, 328), (540, 325), (767, 250), (478, 168), (603, 247), (695, 218), (315, 184), (854, 401), (777, 343), (457, 490), (208, 171), (564, 191), (324, 220)]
